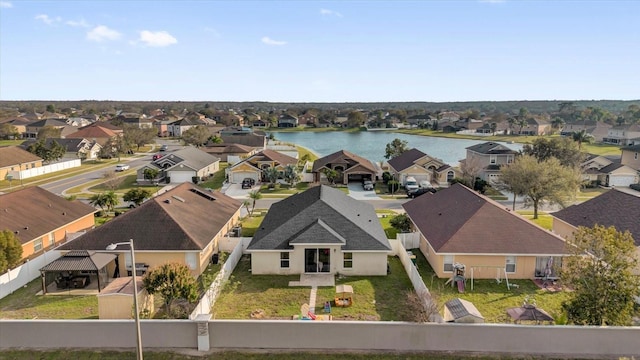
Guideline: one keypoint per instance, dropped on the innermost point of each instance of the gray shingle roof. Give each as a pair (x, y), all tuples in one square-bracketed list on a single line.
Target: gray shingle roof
[(321, 215), (80, 260), (406, 159), (491, 148), (191, 157)]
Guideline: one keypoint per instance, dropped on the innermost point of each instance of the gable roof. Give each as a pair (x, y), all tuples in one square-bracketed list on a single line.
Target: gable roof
[(14, 155), (192, 157), (491, 148), (92, 132), (457, 220), (268, 155), (185, 218), (321, 214), (613, 208), (33, 212), (405, 159), (48, 122), (248, 139), (103, 124), (343, 156)]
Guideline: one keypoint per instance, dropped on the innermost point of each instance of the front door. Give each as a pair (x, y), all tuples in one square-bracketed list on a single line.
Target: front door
[(317, 260)]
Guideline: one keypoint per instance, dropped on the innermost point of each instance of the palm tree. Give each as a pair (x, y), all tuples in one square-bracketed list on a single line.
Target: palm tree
[(271, 174), (291, 174), (254, 196), (107, 200), (557, 123), (331, 175), (581, 137)]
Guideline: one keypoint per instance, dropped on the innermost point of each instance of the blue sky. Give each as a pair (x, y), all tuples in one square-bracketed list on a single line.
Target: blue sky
[(308, 51)]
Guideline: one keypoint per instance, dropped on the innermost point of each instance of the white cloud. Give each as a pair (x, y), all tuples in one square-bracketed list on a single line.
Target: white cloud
[(157, 38), (101, 33), (46, 19), (269, 41), (80, 23), (327, 12), (6, 4)]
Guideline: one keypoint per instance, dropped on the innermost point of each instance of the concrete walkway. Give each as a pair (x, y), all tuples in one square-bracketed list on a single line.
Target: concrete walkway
[(315, 280), (357, 192)]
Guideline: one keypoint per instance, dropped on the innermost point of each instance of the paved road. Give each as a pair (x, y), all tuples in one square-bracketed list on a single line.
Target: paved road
[(395, 204)]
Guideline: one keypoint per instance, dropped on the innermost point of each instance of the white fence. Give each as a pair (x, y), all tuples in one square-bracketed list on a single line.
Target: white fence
[(42, 170), (210, 296), (25, 273), (409, 240)]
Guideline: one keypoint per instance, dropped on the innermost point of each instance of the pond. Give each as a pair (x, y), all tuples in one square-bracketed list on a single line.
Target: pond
[(371, 144)]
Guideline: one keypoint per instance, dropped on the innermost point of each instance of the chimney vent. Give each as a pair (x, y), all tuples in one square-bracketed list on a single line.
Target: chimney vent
[(167, 201)]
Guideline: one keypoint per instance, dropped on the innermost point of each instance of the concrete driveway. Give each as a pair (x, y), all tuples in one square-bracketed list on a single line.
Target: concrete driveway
[(357, 192), (236, 191)]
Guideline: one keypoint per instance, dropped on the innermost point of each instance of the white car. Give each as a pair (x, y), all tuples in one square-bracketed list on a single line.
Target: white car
[(122, 167)]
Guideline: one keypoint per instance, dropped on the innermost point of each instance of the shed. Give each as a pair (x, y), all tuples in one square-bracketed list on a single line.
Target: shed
[(461, 311), (79, 262), (116, 300)]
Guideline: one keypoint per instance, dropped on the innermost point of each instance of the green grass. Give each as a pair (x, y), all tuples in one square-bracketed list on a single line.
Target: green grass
[(250, 223), (544, 219), (128, 183), (24, 304), (216, 181), (245, 293), (490, 298), (389, 230), (284, 189), (302, 151), (11, 142)]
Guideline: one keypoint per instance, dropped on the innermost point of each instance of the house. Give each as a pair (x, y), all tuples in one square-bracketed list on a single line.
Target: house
[(254, 166), (231, 153), (419, 121), (182, 225), (487, 158), (75, 147), (422, 167), (14, 159), (307, 119), (631, 156), (597, 129), (613, 208), (186, 165), (32, 129), (246, 137), (19, 123), (624, 135), (459, 225), (101, 133), (321, 230), (600, 170), (41, 220), (178, 127), (535, 127), (287, 121), (349, 166)]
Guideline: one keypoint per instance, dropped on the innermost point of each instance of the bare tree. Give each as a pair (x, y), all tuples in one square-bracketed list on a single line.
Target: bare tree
[(423, 305)]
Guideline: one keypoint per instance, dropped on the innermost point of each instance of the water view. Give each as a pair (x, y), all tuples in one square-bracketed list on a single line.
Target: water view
[(371, 145)]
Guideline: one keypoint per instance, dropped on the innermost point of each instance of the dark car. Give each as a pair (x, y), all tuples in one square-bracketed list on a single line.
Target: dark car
[(247, 183), (417, 192), (164, 148)]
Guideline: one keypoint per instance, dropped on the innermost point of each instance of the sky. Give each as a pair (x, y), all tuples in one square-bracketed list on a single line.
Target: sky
[(313, 51)]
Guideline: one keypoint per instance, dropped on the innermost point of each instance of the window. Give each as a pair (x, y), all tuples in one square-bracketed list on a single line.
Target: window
[(191, 259), (348, 260), (37, 246), (509, 159), (448, 263), (284, 260), (450, 176), (52, 239), (635, 156), (493, 159), (510, 264)]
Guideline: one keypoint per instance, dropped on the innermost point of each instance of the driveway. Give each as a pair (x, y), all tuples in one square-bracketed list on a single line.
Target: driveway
[(357, 192), (236, 191)]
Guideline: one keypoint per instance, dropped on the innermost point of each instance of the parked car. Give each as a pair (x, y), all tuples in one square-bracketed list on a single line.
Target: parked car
[(417, 192), (164, 148), (410, 184), (122, 167), (368, 185), (157, 156), (247, 183)]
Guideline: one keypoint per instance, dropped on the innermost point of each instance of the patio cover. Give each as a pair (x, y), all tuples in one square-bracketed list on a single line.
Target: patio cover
[(79, 260), (529, 313)]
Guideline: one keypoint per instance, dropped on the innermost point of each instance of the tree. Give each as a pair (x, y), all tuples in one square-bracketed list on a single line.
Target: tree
[(563, 149), (111, 180), (271, 174), (600, 272), (106, 200), (395, 148), (470, 170), (10, 250), (137, 196), (150, 174), (401, 222), (214, 139), (355, 119), (254, 195), (331, 175), (49, 131), (136, 136), (172, 281), (52, 152), (196, 136), (540, 182), (581, 137), (557, 123), (291, 175), (393, 186), (51, 108), (8, 131)]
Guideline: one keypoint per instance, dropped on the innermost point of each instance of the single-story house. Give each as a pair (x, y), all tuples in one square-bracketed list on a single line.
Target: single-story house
[(75, 148), (422, 167), (231, 153), (349, 166), (41, 219), (186, 165), (604, 171), (321, 230), (102, 133), (14, 159), (614, 208), (181, 225), (459, 225), (254, 166)]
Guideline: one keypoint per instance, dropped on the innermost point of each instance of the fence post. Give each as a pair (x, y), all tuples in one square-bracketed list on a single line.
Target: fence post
[(202, 321)]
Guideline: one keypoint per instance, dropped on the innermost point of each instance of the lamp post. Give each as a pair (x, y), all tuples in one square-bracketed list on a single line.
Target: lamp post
[(135, 295)]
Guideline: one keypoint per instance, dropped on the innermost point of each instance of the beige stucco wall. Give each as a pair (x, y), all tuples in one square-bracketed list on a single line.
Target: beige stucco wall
[(120, 306), (59, 235), (17, 167), (631, 159)]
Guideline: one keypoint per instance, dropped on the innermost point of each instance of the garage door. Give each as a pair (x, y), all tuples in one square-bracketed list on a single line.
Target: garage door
[(178, 177), (236, 177), (621, 180)]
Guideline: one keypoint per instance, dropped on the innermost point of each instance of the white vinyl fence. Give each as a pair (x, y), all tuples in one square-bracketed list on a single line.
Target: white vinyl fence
[(47, 169), (409, 240), (16, 278)]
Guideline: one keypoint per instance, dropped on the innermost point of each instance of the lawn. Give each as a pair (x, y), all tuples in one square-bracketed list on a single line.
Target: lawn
[(389, 230), (544, 219), (250, 223), (245, 293), (283, 189), (216, 181), (490, 298), (24, 304)]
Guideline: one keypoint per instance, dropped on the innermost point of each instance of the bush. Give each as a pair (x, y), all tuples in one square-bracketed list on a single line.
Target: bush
[(98, 214), (386, 176)]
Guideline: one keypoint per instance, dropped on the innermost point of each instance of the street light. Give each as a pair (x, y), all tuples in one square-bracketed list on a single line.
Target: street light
[(135, 295)]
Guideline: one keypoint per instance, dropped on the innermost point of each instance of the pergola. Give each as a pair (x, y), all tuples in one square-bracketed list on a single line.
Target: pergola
[(77, 260)]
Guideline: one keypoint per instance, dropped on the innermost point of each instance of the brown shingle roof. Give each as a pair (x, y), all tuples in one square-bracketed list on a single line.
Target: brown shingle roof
[(33, 212), (92, 132), (613, 208), (343, 156), (406, 159), (184, 218), (457, 220), (14, 155)]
